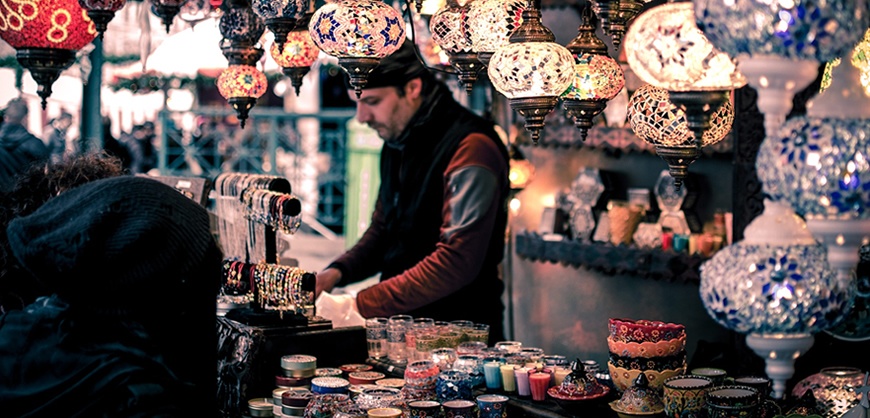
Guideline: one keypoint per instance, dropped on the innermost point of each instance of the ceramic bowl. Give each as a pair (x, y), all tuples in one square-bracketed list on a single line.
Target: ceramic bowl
[(650, 363), (623, 378), (576, 404), (642, 330), (647, 348), (640, 398)]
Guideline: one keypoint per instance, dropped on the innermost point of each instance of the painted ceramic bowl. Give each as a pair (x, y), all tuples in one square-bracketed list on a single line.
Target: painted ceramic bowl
[(650, 363), (629, 414), (639, 399), (623, 378), (647, 349), (642, 330)]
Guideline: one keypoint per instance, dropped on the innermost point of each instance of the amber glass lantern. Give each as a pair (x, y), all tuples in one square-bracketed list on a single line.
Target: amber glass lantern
[(297, 56), (359, 33), (242, 85), (46, 36)]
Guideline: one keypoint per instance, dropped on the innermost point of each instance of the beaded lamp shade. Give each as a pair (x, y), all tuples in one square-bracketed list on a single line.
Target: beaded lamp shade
[(491, 23), (242, 85), (102, 12), (297, 56), (665, 48), (532, 71), (46, 36), (597, 77), (359, 33), (659, 122), (450, 31), (280, 16), (166, 10)]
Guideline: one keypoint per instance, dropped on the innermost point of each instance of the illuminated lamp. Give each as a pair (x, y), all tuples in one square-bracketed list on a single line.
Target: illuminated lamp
[(242, 85), (281, 16), (297, 56)]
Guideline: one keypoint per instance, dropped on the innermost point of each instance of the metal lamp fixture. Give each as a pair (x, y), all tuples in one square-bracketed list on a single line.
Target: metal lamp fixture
[(242, 85), (532, 71), (359, 33), (102, 12), (451, 31), (166, 10), (615, 16), (46, 37), (281, 16), (597, 77), (491, 23), (779, 45), (659, 122), (297, 56)]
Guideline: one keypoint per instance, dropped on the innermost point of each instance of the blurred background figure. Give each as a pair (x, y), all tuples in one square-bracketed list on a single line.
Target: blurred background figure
[(140, 143), (18, 147), (56, 135)]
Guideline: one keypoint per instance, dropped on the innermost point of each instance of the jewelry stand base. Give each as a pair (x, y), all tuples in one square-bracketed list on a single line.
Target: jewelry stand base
[(257, 317)]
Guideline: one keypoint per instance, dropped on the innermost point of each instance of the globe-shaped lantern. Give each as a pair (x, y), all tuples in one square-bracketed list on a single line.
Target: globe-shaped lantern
[(166, 10), (46, 36), (665, 48), (281, 16), (359, 33), (532, 70), (297, 56), (240, 26), (659, 122), (102, 12), (597, 77), (450, 31), (779, 45), (242, 85), (491, 23), (776, 286)]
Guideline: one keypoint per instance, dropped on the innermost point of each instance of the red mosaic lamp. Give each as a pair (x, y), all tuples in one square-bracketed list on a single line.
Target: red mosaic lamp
[(102, 12), (46, 36), (242, 85)]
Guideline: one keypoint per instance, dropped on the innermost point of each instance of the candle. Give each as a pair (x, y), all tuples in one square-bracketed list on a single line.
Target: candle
[(559, 373), (492, 375), (508, 380), (522, 377), (539, 383)]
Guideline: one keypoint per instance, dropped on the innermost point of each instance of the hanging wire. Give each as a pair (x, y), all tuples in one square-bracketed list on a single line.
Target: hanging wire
[(406, 12)]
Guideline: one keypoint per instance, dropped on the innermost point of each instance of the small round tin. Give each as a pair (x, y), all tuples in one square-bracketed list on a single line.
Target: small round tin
[(260, 407), (293, 411), (296, 397), (391, 383), (350, 368), (298, 362), (324, 385), (292, 382), (328, 371)]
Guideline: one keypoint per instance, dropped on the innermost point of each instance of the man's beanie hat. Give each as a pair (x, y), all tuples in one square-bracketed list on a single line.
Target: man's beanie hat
[(117, 245)]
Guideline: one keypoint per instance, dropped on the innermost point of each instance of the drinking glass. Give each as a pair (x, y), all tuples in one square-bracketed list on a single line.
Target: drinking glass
[(376, 337)]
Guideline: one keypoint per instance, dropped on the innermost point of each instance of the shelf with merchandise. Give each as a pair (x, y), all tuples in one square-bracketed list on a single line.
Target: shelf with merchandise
[(653, 263)]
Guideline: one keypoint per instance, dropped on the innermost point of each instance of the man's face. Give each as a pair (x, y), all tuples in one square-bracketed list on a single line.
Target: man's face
[(385, 110)]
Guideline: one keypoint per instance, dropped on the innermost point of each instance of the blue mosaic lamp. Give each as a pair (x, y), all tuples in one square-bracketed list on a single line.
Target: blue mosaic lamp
[(777, 287), (779, 45)]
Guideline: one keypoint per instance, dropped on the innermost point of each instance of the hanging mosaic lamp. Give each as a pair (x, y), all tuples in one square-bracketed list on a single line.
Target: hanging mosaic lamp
[(166, 10), (491, 23), (242, 85), (597, 77), (665, 48), (46, 36), (297, 56), (860, 59), (102, 12), (659, 122), (779, 46), (532, 71), (616, 15), (359, 33), (281, 16), (451, 31)]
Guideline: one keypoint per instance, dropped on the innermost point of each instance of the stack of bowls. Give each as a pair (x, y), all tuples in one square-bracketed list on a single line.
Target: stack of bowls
[(656, 349)]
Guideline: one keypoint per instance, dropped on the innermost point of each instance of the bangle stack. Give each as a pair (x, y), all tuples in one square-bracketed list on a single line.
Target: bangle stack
[(281, 211)]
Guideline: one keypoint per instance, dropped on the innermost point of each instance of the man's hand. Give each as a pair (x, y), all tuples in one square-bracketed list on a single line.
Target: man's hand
[(326, 280)]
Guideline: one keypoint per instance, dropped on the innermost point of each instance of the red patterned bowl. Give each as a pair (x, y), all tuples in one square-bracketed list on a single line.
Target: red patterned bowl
[(576, 404), (623, 378), (642, 330), (650, 363), (647, 349)]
